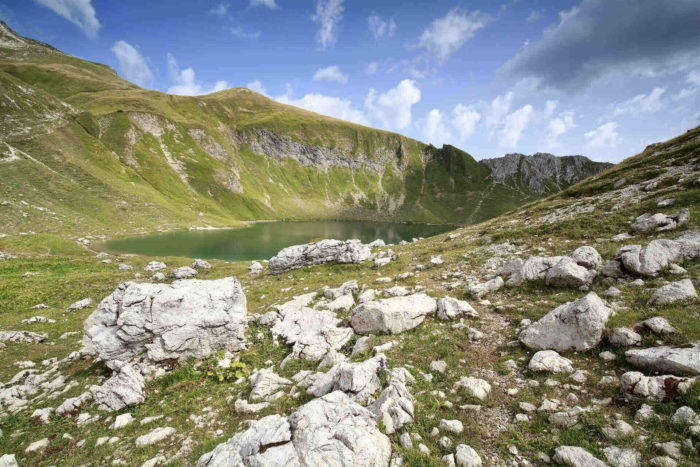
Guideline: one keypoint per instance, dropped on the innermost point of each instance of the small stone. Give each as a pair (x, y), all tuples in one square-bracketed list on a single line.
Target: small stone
[(453, 426)]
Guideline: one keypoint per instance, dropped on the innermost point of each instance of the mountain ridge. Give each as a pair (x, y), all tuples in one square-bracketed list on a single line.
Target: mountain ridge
[(106, 156)]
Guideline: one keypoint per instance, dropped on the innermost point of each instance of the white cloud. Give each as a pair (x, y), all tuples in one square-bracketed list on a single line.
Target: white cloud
[(694, 78), (642, 103), (380, 28), (221, 9), (328, 15), (79, 12), (243, 34), (393, 108), (514, 125), (465, 119), (549, 108), (534, 16), (132, 65), (687, 93), (257, 86), (371, 68), (184, 80), (331, 73), (267, 3), (499, 108), (326, 105), (558, 126), (604, 135), (448, 34), (436, 127)]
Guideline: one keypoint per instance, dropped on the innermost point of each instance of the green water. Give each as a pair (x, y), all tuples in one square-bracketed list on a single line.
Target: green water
[(263, 240)]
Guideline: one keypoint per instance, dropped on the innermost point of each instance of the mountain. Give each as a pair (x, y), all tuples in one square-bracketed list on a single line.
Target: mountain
[(82, 150)]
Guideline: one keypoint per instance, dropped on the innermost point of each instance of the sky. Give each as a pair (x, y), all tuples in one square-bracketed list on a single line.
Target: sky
[(602, 78)]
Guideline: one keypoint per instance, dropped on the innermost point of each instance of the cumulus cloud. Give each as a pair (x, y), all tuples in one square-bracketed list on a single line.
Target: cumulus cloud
[(393, 108), (185, 84), (331, 73), (534, 16), (604, 135), (693, 79), (642, 103), (221, 9), (257, 86), (498, 109), (558, 126), (448, 34), (266, 3), (597, 37), (438, 128), (371, 68), (380, 28), (327, 105), (514, 125), (132, 65), (79, 12), (328, 16)]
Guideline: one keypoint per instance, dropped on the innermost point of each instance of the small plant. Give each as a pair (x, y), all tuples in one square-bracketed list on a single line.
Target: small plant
[(221, 374)]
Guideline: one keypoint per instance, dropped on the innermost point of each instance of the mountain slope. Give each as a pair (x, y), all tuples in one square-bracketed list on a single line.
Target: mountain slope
[(83, 150)]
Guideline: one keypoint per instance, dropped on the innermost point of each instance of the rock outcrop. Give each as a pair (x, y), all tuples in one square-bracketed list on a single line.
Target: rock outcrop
[(392, 315), (658, 222), (656, 388), (331, 430), (664, 359), (298, 256), (655, 257), (164, 322), (576, 325)]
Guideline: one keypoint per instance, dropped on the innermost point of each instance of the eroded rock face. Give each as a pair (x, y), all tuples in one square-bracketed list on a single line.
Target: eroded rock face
[(392, 315), (675, 292), (656, 388), (312, 333), (394, 406), (297, 256), (664, 359), (126, 387), (162, 322), (576, 325), (331, 430), (648, 223), (358, 380), (656, 256)]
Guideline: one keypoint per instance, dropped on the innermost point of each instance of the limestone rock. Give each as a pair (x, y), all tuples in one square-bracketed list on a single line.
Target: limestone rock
[(648, 223), (23, 337), (451, 308), (72, 405), (619, 457), (324, 251), (80, 304), (566, 273), (624, 337), (466, 456), (127, 387), (657, 324), (265, 383), (658, 254), (479, 290), (185, 272), (681, 291), (551, 361), (394, 406), (392, 315), (656, 388), (359, 380), (154, 266), (155, 436), (255, 268), (201, 264), (331, 430), (8, 460), (161, 322), (347, 288), (575, 456), (588, 257), (476, 387), (576, 325), (664, 359)]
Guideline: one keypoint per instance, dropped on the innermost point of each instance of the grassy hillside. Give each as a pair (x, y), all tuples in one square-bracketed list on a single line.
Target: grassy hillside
[(201, 409), (83, 151)]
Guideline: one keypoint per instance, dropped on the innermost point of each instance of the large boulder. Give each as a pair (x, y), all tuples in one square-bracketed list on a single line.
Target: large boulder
[(649, 223), (164, 322), (331, 430), (567, 273), (657, 255), (681, 291), (392, 315), (664, 359), (324, 251), (576, 325)]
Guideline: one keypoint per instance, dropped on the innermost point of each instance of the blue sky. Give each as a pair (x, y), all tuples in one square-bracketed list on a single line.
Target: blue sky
[(602, 78)]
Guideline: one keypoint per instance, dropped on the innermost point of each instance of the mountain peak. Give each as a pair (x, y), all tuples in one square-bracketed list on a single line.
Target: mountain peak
[(9, 39)]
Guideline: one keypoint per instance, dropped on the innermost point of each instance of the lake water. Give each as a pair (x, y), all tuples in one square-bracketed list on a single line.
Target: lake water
[(263, 240)]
